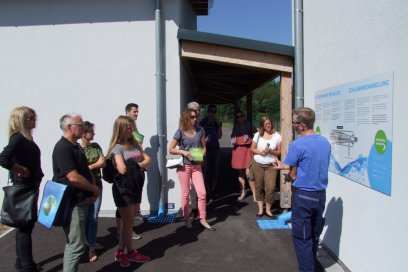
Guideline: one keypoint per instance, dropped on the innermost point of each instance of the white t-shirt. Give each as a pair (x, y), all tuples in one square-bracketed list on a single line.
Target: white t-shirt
[(273, 144)]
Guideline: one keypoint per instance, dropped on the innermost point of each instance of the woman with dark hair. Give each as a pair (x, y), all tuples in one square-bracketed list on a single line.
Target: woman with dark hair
[(130, 161), (241, 148), (189, 136), (266, 147), (96, 161), (22, 158)]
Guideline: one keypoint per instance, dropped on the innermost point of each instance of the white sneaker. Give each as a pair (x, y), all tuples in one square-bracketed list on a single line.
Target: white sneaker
[(136, 236)]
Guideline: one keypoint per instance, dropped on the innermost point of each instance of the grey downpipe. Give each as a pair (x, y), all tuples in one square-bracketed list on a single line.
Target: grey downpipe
[(161, 109), (299, 91)]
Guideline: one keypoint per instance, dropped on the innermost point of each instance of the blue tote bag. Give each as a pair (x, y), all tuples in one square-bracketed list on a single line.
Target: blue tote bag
[(55, 205)]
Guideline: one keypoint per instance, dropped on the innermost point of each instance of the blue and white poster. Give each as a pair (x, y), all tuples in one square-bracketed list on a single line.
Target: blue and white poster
[(356, 118), (52, 196)]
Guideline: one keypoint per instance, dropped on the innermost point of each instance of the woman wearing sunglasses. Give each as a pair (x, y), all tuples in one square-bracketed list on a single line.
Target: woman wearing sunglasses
[(22, 157), (241, 149), (190, 136)]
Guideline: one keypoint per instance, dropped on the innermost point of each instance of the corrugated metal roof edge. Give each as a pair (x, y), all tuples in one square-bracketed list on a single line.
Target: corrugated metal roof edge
[(210, 38)]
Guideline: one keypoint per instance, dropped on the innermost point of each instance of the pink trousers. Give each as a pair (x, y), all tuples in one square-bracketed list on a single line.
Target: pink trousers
[(195, 173)]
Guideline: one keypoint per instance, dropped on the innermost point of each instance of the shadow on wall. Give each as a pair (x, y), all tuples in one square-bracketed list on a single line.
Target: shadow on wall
[(153, 181), (334, 223)]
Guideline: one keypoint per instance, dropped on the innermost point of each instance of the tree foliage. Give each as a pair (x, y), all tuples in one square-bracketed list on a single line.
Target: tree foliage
[(265, 101)]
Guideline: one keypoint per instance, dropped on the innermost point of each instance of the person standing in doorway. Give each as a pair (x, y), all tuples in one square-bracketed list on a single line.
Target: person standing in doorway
[(241, 149), (190, 136), (308, 158), (213, 132), (266, 147), (193, 194)]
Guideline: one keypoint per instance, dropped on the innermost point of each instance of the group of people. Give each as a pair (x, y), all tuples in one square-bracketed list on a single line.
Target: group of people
[(254, 155), (79, 166)]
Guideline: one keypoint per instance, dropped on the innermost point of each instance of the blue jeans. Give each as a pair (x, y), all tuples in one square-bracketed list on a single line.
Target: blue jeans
[(91, 228), (75, 238), (307, 225)]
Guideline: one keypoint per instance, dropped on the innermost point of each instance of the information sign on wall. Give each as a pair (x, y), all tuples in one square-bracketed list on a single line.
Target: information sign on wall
[(356, 118)]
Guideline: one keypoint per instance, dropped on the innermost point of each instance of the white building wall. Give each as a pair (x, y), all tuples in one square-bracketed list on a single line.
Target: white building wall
[(346, 41), (91, 57)]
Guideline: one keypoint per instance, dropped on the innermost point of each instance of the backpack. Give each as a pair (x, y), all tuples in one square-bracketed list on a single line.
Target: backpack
[(109, 171)]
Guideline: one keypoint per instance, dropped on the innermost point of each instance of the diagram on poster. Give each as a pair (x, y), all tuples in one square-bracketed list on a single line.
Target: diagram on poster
[(356, 118)]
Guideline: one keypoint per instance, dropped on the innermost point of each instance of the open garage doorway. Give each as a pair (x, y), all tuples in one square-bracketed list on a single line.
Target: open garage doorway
[(225, 70)]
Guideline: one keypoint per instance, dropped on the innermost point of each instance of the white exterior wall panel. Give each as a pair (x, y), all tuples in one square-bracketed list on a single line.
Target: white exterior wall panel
[(92, 62), (346, 41)]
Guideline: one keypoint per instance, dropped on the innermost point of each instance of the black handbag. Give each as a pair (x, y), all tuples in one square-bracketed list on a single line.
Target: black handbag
[(19, 205)]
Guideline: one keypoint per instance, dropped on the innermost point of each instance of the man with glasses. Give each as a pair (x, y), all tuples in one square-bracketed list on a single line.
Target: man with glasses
[(308, 158), (70, 167), (213, 132)]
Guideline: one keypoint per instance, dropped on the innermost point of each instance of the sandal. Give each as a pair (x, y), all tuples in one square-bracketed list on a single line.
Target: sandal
[(92, 255)]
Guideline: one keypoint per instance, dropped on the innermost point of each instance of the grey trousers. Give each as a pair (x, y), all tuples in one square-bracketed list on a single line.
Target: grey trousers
[(75, 237)]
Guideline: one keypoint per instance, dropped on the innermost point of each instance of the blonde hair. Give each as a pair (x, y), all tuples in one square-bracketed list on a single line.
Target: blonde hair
[(18, 120), (119, 127), (184, 122)]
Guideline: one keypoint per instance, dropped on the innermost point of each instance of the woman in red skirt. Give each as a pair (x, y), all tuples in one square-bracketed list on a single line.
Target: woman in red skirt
[(241, 139)]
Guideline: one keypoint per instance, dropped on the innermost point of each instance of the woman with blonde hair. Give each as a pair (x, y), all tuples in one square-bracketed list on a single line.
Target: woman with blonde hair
[(266, 146), (189, 136), (130, 161), (22, 158)]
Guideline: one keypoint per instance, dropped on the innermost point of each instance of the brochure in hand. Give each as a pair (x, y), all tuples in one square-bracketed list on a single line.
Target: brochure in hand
[(138, 136), (197, 153)]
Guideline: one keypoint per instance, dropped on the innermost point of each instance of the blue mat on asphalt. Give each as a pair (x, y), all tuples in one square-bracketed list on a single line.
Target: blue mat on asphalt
[(271, 224), (163, 219)]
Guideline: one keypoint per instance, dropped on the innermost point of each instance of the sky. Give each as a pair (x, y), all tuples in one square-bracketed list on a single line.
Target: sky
[(264, 20)]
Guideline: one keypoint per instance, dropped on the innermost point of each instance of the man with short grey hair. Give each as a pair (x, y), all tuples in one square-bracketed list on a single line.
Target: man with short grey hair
[(70, 167)]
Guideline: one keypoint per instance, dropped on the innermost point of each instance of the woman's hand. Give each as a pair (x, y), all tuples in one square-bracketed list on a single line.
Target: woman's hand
[(187, 155), (21, 171), (245, 138)]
